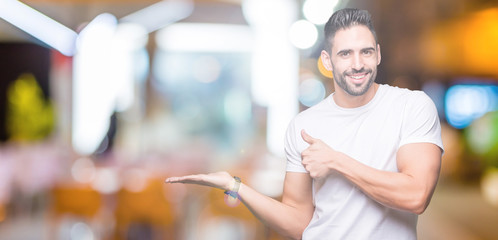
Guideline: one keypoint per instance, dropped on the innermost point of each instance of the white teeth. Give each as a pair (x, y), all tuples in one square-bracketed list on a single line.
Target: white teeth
[(358, 77)]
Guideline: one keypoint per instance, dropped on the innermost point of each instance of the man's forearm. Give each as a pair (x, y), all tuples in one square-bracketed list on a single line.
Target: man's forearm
[(289, 217), (289, 221)]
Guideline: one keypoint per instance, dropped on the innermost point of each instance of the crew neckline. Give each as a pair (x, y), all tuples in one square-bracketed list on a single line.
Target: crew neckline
[(380, 90)]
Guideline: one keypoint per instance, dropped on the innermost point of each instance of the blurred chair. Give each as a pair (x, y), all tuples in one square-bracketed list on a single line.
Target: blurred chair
[(73, 203), (244, 225), (145, 214), (81, 201)]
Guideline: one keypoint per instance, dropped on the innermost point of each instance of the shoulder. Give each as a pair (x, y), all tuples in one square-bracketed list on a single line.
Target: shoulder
[(414, 104), (397, 91), (322, 107), (405, 95)]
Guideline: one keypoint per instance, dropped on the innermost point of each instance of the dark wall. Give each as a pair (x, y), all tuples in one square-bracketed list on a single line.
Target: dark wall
[(16, 59)]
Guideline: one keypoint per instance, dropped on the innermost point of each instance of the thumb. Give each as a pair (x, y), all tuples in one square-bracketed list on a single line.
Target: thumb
[(306, 137)]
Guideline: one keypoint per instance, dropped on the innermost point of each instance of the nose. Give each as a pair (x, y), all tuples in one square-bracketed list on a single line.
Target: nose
[(357, 63)]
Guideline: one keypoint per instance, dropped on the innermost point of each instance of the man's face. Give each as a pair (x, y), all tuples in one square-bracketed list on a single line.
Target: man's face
[(354, 58)]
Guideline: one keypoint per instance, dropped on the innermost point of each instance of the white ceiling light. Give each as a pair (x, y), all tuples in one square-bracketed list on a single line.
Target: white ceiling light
[(39, 26), (205, 37), (93, 83), (160, 14)]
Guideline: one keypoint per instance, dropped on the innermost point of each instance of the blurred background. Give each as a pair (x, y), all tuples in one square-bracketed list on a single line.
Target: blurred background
[(100, 101)]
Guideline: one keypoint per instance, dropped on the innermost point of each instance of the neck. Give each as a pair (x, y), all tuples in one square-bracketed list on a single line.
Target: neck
[(343, 99)]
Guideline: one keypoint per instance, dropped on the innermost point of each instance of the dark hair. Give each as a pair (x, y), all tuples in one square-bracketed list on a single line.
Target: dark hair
[(346, 18)]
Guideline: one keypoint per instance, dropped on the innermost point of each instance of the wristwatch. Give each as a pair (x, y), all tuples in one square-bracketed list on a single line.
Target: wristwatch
[(235, 190)]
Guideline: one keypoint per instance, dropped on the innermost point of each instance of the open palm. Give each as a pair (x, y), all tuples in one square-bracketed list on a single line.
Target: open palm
[(221, 180)]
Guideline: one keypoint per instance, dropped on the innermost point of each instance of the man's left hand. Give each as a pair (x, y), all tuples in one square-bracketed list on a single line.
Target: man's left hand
[(318, 159)]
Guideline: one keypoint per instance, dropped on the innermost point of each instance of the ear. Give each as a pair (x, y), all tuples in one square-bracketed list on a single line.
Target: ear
[(325, 57), (378, 54)]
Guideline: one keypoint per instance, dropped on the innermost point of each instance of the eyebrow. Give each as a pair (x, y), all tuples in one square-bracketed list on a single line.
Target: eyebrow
[(344, 51), (368, 49), (350, 50)]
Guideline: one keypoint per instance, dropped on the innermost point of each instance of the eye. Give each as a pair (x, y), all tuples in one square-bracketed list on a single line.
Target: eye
[(344, 53), (368, 52)]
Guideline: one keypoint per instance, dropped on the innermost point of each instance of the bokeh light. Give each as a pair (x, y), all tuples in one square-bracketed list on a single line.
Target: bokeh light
[(206, 69), (319, 11), (237, 108), (135, 179), (106, 180), (81, 231), (465, 103), (303, 34), (482, 134), (311, 92), (83, 170), (489, 186)]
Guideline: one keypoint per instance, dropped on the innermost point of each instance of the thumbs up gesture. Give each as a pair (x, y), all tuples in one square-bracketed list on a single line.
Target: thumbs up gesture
[(319, 158)]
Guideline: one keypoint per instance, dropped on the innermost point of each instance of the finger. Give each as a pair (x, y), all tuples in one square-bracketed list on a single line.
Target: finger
[(183, 179), (305, 163), (306, 137), (173, 180), (307, 168)]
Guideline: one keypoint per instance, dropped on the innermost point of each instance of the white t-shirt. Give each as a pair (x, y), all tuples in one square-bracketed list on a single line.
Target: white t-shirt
[(371, 134)]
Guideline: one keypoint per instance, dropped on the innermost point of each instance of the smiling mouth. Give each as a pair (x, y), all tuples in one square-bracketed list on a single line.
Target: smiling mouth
[(358, 78)]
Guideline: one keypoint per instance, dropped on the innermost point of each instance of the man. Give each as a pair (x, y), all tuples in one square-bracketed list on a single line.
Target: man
[(361, 164)]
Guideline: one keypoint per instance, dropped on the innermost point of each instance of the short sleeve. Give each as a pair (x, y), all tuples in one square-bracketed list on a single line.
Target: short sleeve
[(420, 121), (291, 150)]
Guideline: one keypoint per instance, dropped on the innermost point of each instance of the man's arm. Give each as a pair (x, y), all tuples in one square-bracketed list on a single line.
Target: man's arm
[(289, 217), (409, 189)]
